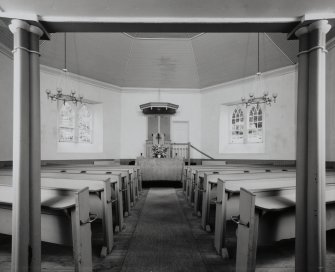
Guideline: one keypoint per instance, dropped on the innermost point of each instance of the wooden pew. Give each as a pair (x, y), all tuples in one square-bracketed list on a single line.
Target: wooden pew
[(116, 190), (266, 216), (134, 171), (124, 188), (192, 179), (126, 180), (210, 182), (64, 219), (199, 187), (100, 198), (228, 199)]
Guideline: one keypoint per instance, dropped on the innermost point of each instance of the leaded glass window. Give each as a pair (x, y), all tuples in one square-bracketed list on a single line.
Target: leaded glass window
[(66, 123), (255, 125), (85, 122), (237, 126)]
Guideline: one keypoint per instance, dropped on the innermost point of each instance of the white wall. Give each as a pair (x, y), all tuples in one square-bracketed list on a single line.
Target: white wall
[(105, 146), (90, 89), (280, 118), (134, 122), (125, 127), (330, 103), (6, 108)]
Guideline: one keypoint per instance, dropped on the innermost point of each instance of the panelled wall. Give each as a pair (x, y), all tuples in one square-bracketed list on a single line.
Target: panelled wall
[(121, 128)]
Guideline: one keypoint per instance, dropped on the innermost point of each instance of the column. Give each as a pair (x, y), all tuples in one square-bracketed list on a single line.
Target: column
[(35, 150), (302, 148), (26, 221), (311, 134)]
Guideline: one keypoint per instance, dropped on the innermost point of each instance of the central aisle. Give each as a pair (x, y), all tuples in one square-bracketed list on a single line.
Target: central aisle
[(163, 239)]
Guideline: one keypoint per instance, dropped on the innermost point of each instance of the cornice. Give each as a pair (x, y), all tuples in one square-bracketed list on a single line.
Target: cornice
[(87, 80), (276, 72)]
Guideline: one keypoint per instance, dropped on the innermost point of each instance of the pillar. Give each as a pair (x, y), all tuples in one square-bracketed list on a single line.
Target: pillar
[(35, 149), (26, 221), (311, 138)]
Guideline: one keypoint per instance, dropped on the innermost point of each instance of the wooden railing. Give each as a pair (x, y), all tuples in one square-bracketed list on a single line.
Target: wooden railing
[(180, 150), (177, 150)]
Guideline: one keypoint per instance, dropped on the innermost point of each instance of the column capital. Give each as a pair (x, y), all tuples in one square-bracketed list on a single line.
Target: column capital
[(321, 25), (301, 31), (15, 24), (36, 30)]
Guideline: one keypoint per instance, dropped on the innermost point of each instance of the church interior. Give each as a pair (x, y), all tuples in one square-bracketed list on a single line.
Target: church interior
[(162, 136)]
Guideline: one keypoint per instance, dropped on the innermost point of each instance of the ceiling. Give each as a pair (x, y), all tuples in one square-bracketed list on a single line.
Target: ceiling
[(164, 60), (173, 59), (195, 63), (75, 9)]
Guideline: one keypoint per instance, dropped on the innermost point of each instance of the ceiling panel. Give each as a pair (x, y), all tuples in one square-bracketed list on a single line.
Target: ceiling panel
[(168, 8), (232, 56), (161, 64), (99, 56)]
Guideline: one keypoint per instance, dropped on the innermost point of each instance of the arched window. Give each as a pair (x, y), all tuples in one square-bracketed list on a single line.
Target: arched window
[(66, 123), (255, 125), (237, 126), (85, 123)]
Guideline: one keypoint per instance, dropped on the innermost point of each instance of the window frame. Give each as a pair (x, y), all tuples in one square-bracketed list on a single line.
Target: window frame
[(246, 139), (76, 110), (233, 138), (250, 139), (60, 126)]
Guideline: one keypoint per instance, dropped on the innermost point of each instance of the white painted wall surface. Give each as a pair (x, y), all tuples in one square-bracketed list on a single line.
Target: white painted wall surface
[(330, 104), (134, 122), (280, 118), (125, 127), (6, 108), (107, 148)]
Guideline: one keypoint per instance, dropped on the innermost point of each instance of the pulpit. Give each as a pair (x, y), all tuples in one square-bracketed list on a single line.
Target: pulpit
[(159, 120), (161, 169)]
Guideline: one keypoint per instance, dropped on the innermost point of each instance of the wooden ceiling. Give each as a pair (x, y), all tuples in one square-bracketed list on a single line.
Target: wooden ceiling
[(162, 62), (174, 59)]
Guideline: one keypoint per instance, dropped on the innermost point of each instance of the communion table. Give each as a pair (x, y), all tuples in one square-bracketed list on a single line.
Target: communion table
[(156, 169)]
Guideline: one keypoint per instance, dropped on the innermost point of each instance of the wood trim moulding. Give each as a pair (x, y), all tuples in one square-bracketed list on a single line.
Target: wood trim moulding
[(83, 79), (162, 90), (268, 74)]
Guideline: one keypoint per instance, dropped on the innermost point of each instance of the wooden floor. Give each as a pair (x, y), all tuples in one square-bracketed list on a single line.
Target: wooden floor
[(176, 234)]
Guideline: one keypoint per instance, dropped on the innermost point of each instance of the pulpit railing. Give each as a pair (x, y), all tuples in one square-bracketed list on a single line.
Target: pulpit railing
[(180, 150), (176, 150)]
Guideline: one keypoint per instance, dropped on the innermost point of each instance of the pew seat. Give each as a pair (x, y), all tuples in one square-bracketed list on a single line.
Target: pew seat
[(65, 220), (266, 216), (100, 199)]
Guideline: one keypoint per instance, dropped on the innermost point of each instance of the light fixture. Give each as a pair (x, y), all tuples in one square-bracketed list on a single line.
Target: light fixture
[(265, 99), (64, 79)]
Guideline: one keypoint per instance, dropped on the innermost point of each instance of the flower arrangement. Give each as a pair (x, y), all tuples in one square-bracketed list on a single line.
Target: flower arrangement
[(159, 151)]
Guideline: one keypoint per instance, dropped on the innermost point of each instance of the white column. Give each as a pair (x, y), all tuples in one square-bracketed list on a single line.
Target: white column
[(311, 134), (26, 233)]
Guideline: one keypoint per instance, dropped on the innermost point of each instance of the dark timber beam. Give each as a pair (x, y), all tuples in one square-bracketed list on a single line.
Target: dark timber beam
[(213, 27)]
